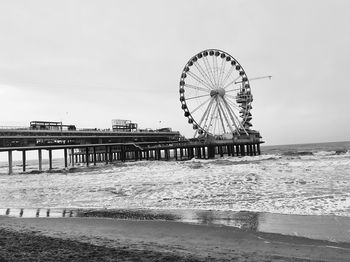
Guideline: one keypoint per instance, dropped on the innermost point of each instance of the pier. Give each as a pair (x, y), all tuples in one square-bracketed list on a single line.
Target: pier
[(91, 154)]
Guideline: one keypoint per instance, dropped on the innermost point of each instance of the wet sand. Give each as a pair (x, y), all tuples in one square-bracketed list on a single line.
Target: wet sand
[(105, 239)]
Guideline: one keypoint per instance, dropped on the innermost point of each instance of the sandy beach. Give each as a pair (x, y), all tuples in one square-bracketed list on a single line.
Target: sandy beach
[(105, 239)]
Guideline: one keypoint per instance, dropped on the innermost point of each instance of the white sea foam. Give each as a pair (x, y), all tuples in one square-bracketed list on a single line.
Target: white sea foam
[(307, 184)]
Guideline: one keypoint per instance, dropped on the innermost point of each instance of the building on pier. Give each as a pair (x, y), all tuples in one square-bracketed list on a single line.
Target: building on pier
[(41, 133)]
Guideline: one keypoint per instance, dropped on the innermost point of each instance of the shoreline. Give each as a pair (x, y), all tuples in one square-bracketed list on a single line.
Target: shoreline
[(154, 240), (318, 227)]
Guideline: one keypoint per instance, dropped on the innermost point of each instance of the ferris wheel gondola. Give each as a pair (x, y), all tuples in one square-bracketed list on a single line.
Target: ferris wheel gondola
[(215, 94)]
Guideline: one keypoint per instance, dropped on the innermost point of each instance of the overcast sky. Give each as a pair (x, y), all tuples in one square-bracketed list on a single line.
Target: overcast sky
[(88, 62)]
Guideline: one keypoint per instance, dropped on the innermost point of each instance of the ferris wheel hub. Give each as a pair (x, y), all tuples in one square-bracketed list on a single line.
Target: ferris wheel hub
[(217, 92)]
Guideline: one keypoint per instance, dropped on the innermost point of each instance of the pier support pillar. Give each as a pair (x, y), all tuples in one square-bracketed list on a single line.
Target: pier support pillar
[(211, 152), (166, 153), (258, 148), (87, 156), (221, 151), (10, 162), (72, 158), (251, 150), (106, 154), (237, 150), (110, 155), (122, 153), (40, 159), (50, 159), (24, 160), (242, 150), (65, 158), (175, 153), (94, 155)]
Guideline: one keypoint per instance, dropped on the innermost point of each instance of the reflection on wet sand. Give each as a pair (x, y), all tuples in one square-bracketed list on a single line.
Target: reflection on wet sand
[(331, 228)]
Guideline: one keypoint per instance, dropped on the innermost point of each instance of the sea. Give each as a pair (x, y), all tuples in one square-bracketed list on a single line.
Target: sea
[(305, 179)]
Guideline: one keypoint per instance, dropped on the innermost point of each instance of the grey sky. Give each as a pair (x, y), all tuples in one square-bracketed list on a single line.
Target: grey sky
[(87, 62)]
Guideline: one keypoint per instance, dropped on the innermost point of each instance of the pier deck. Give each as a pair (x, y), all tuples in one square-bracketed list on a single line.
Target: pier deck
[(91, 154)]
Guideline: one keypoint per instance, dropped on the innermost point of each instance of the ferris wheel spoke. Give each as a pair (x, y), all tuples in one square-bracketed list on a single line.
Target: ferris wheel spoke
[(226, 119), (215, 69), (212, 115), (193, 75), (222, 121), (231, 113), (215, 118), (206, 118), (202, 104), (207, 66), (230, 96), (233, 104), (193, 97), (197, 87), (204, 74), (239, 122), (206, 113), (235, 89), (232, 82), (222, 70), (227, 76)]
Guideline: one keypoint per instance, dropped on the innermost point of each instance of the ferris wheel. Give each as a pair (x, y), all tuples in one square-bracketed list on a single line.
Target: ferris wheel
[(215, 94)]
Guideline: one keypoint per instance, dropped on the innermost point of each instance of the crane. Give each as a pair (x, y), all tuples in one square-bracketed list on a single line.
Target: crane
[(256, 78)]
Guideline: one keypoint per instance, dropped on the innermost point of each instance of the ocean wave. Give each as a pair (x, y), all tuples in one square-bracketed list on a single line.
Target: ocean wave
[(332, 152), (231, 160), (298, 153)]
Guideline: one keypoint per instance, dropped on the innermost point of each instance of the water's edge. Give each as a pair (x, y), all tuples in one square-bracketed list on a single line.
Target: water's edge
[(330, 228)]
